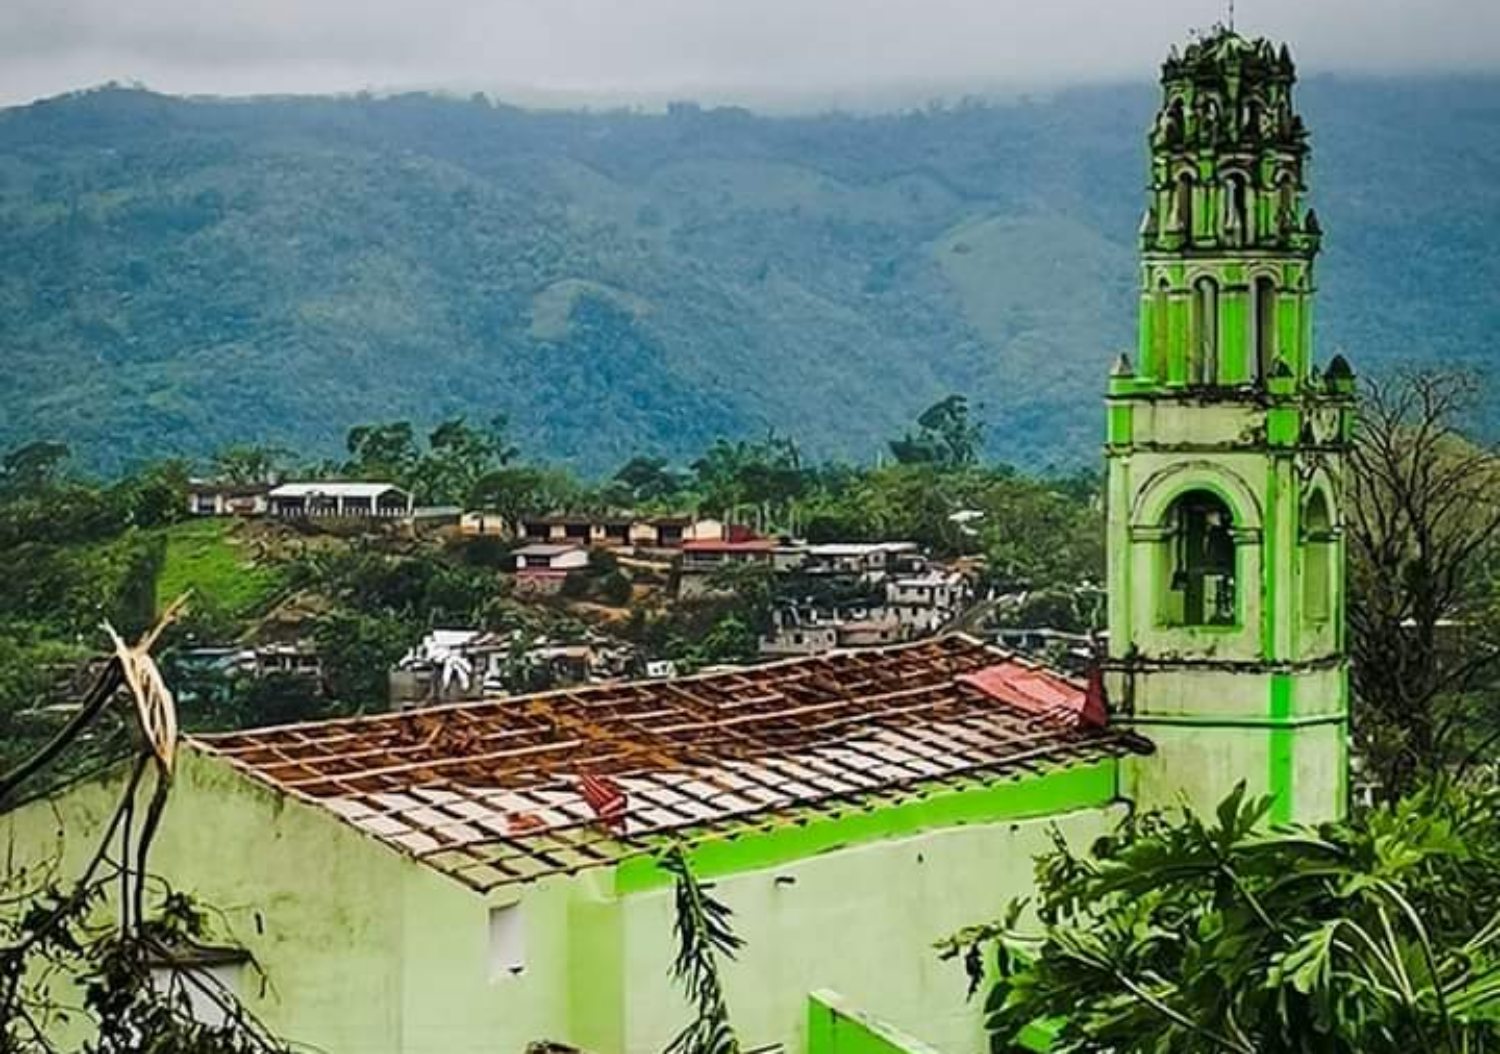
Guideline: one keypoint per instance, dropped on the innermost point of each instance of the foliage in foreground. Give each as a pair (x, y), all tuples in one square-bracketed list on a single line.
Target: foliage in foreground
[(1184, 936), (93, 950), (703, 936)]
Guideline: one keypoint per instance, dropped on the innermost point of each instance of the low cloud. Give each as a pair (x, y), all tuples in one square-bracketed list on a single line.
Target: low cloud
[(645, 49)]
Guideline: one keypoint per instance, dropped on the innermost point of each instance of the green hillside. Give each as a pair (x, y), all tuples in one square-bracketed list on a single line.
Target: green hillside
[(179, 274), (206, 559)]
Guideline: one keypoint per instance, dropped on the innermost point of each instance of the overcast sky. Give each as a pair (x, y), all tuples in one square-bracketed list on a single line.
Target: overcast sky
[(644, 50)]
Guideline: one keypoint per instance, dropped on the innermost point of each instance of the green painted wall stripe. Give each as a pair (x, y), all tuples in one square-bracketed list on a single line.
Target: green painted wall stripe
[(1281, 761), (1088, 786), (1270, 551), (835, 1027), (1206, 721)]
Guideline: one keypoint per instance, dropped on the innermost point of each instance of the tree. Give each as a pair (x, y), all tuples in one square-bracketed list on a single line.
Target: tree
[(104, 930), (250, 463), (459, 455), (648, 479), (1423, 529), (945, 436), (155, 496), (704, 935), (732, 639), (383, 452), (766, 475), (357, 652), (1184, 936), (33, 466), (513, 492)]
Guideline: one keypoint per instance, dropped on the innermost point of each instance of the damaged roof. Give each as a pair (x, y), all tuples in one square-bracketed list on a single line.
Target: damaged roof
[(504, 791)]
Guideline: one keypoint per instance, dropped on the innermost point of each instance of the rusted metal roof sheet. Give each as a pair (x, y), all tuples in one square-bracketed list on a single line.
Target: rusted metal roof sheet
[(493, 792)]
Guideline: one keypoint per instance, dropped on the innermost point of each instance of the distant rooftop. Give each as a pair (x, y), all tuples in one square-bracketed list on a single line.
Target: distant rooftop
[(546, 549), (493, 793), (334, 489), (857, 549), (738, 545)]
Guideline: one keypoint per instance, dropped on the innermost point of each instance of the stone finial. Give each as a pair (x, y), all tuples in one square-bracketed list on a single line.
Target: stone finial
[(1122, 367), (1339, 369)]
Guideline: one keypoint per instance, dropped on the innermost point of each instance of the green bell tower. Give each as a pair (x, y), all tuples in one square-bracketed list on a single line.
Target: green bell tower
[(1227, 450)]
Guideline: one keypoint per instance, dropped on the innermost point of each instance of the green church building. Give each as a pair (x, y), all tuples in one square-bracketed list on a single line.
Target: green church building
[(482, 876)]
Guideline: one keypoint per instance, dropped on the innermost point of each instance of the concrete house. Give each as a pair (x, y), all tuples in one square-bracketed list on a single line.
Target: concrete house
[(329, 498), (543, 567), (480, 524), (866, 561), (576, 530), (622, 530), (209, 498), (925, 602), (701, 560), (534, 559)]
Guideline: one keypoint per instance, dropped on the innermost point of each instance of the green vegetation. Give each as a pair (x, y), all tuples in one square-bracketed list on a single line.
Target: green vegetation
[(1181, 935), (704, 936), (205, 557), (177, 276)]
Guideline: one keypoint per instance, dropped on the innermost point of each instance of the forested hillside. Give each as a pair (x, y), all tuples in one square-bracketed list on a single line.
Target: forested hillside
[(179, 274)]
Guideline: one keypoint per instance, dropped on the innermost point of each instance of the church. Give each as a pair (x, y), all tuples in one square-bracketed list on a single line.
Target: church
[(484, 876)]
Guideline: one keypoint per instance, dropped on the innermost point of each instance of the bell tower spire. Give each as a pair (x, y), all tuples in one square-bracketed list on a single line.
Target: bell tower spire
[(1227, 453)]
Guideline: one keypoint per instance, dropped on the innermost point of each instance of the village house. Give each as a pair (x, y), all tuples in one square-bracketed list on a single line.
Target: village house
[(800, 632), (926, 602), (866, 561), (577, 530), (285, 658), (623, 530), (328, 498), (293, 658), (909, 606), (701, 560), (209, 498), (455, 665), (479, 524), (448, 665), (542, 567)]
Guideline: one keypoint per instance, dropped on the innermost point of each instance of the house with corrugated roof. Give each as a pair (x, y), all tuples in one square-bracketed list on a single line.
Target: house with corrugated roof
[(339, 499)]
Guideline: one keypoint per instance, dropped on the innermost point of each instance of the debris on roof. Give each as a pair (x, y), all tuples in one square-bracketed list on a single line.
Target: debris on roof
[(497, 792)]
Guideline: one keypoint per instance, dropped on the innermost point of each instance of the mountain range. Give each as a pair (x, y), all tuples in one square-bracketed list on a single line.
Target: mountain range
[(177, 274)]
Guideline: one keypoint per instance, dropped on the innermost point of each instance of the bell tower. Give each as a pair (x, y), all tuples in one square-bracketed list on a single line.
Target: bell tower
[(1226, 451)]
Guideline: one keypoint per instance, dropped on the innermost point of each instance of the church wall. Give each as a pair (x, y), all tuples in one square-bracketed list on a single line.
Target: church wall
[(316, 904), (861, 922), (366, 951)]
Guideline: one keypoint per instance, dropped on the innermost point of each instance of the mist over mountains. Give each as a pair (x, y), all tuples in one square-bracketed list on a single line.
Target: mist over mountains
[(179, 274)]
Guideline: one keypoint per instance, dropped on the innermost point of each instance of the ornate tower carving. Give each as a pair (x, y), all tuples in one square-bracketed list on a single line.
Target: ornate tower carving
[(1227, 451)]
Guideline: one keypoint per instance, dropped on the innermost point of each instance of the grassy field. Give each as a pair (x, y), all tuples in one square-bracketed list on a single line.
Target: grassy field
[(205, 556)]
